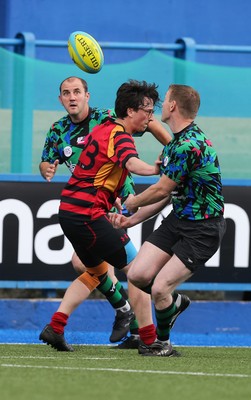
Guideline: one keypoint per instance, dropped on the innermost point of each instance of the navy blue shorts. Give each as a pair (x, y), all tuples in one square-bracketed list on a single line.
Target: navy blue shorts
[(193, 242)]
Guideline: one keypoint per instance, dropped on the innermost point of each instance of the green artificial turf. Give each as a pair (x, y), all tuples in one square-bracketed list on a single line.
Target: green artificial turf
[(100, 372)]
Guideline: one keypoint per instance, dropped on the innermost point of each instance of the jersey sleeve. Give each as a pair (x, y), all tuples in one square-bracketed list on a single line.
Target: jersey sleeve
[(50, 152), (124, 148)]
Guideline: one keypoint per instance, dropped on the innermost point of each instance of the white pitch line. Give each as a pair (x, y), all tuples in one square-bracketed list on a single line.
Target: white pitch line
[(57, 358), (134, 371)]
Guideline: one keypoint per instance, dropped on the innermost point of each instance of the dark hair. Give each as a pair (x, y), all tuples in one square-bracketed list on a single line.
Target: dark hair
[(132, 94), (84, 83), (187, 99)]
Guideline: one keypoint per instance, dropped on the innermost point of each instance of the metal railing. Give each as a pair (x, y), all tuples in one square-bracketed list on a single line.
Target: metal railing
[(25, 43)]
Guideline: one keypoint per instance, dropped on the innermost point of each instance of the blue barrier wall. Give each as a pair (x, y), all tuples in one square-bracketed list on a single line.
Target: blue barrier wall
[(215, 22), (203, 324)]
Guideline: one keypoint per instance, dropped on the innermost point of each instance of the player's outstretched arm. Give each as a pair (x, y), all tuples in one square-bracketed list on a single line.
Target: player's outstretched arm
[(140, 167), (159, 131), (153, 194), (143, 213)]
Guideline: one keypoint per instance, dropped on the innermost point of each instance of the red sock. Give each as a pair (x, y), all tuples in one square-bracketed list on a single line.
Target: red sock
[(58, 322), (148, 334)]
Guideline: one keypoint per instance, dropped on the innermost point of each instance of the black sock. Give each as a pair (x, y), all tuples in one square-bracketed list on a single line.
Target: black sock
[(134, 326)]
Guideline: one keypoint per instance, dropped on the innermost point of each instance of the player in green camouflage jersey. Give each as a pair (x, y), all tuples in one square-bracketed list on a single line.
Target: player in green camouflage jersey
[(192, 162), (63, 144), (64, 140), (189, 236)]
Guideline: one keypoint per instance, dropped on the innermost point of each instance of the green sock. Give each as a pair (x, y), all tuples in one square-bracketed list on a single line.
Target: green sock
[(109, 290), (121, 290), (134, 327), (163, 319)]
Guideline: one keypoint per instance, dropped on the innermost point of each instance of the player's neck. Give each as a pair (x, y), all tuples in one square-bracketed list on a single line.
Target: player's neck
[(77, 118), (178, 125), (125, 124)]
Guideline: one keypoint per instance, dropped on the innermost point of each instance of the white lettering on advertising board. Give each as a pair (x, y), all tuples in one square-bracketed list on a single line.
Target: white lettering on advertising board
[(39, 243)]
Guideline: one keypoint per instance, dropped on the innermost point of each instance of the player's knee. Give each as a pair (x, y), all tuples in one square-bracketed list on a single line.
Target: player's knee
[(138, 280), (94, 276)]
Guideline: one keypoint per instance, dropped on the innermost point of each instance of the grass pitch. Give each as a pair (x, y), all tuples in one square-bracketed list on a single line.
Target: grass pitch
[(100, 372)]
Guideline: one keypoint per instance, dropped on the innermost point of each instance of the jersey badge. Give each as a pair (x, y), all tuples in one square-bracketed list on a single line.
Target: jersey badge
[(67, 151)]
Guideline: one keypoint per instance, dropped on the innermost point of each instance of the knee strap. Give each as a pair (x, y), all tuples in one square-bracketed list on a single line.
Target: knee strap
[(92, 277)]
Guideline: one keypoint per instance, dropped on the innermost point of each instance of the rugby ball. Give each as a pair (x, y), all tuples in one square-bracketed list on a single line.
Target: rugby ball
[(85, 52)]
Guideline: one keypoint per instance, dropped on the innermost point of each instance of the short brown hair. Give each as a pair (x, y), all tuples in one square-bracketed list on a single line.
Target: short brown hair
[(187, 99)]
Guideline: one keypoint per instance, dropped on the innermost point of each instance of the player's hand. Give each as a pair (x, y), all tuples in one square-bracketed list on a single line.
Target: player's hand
[(51, 170), (129, 203), (118, 220)]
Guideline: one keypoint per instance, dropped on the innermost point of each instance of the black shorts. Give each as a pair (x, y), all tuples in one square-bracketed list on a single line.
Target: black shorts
[(96, 241), (193, 242)]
